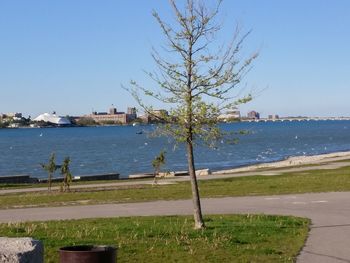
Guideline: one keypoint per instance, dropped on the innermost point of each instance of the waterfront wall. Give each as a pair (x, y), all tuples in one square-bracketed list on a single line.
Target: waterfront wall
[(27, 179), (18, 179)]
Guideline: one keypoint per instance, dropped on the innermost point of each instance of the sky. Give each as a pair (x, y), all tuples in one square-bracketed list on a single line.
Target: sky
[(73, 56)]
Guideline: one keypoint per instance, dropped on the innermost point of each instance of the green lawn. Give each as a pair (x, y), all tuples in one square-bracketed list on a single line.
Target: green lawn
[(227, 238), (58, 184), (298, 182)]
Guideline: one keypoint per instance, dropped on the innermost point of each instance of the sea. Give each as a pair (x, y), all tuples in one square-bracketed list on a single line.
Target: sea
[(130, 149)]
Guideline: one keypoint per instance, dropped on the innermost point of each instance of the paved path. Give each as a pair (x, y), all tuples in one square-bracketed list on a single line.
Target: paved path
[(214, 176), (328, 240)]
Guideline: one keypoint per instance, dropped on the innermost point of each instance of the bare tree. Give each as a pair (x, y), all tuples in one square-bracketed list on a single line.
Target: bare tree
[(157, 163), (50, 168), (67, 175), (196, 79)]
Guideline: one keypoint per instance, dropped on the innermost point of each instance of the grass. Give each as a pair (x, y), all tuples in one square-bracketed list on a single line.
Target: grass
[(227, 238), (289, 183), (4, 186), (15, 186), (313, 181), (58, 184)]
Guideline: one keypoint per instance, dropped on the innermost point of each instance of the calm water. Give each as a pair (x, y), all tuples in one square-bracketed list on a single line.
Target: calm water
[(96, 150)]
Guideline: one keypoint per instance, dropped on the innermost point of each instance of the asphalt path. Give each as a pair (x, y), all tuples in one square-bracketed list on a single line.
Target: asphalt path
[(329, 235)]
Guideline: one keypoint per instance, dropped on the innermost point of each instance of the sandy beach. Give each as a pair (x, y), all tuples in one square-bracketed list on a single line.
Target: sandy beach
[(292, 161)]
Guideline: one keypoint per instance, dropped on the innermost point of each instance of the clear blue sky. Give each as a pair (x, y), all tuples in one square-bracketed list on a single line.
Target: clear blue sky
[(72, 56)]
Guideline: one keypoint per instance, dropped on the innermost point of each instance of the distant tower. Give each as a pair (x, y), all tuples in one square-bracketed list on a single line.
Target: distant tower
[(131, 110), (112, 110), (253, 115)]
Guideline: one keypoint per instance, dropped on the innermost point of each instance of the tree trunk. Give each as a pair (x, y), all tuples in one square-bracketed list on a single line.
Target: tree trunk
[(49, 187), (198, 218)]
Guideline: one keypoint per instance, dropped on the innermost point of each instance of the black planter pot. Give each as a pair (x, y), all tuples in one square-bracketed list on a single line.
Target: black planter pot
[(88, 254)]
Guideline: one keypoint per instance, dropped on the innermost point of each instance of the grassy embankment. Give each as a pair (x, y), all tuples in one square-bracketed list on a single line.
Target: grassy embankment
[(54, 184), (229, 238), (297, 182)]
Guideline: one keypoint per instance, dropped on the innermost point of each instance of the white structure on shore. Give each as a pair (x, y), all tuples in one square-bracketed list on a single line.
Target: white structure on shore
[(52, 118)]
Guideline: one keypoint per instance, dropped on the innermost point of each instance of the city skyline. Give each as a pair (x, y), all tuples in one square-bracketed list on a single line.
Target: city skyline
[(106, 111), (72, 57)]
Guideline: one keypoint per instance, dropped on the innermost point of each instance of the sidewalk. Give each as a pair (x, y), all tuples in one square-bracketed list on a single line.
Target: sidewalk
[(329, 235)]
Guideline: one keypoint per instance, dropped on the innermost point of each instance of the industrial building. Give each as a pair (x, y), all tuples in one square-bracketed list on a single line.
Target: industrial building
[(113, 116)]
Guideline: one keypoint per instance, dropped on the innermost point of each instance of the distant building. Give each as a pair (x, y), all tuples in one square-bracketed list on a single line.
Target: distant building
[(12, 115), (113, 111), (52, 119), (14, 125), (2, 120), (131, 110), (113, 116), (253, 115), (159, 113), (155, 116), (13, 120), (233, 114), (273, 117)]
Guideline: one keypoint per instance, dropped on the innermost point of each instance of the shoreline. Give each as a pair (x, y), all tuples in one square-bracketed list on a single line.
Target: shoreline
[(290, 162)]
